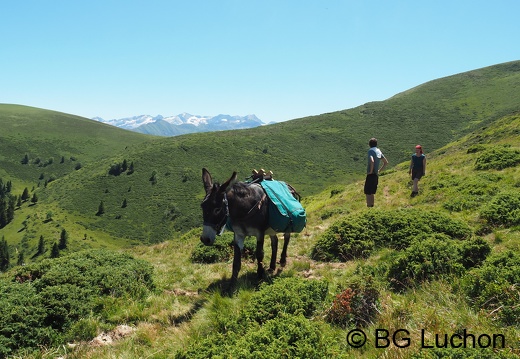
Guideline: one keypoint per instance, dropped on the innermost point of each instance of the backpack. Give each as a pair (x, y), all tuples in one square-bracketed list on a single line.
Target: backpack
[(286, 214)]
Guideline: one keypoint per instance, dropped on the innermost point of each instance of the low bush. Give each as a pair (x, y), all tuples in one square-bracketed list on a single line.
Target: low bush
[(286, 295), (42, 303), (435, 257), (495, 286), (504, 209), (425, 259), (287, 336), (474, 192), (474, 252), (274, 323), (343, 241), (222, 250), (358, 236), (498, 158), (476, 148), (356, 305)]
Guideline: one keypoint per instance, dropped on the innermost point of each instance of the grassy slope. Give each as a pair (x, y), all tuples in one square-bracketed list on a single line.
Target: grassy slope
[(48, 134), (311, 153), (182, 284), (433, 307)]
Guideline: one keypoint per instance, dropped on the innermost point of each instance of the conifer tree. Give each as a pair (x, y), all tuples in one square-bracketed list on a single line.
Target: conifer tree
[(21, 259), (64, 237), (10, 209), (25, 194), (41, 246), (124, 203), (153, 178), (4, 255), (101, 209), (3, 216), (34, 198), (55, 251)]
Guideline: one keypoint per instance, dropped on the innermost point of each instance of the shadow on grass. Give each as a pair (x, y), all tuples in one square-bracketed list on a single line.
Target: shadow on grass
[(247, 281)]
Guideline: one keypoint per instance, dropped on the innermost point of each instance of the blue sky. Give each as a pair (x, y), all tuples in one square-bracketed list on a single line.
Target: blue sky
[(277, 59)]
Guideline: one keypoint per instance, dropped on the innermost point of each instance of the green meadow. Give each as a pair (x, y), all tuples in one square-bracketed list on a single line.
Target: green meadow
[(440, 270)]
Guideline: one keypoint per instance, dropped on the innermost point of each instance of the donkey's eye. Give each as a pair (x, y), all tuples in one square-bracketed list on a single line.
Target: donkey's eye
[(216, 211)]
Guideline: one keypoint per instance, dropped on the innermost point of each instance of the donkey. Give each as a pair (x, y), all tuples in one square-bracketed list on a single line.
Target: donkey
[(246, 206)]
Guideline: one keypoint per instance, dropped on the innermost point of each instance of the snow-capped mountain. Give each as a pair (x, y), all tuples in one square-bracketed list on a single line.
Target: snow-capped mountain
[(182, 123)]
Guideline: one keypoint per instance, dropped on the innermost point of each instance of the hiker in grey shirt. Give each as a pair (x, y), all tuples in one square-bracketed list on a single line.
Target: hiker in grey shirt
[(374, 157)]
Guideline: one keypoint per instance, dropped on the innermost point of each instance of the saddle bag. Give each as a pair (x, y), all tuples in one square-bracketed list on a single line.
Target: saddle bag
[(286, 214)]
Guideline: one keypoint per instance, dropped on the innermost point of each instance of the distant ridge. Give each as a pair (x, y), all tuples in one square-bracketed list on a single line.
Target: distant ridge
[(183, 123)]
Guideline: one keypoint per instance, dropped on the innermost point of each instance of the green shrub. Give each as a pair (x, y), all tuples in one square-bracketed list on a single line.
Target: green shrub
[(497, 158), (286, 295), (430, 258), (473, 252), (343, 240), (356, 305), (215, 345), (474, 192), (357, 236), (273, 324), (445, 180), (476, 148), (504, 209), (45, 300), (287, 336), (222, 249), (21, 319), (494, 286)]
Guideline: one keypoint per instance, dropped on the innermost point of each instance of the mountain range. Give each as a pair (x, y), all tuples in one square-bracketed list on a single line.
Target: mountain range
[(182, 124)]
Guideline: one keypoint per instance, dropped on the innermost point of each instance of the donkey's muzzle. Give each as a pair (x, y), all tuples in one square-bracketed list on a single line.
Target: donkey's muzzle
[(207, 241)]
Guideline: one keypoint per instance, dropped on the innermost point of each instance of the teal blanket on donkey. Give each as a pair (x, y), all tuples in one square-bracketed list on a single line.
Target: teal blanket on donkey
[(286, 214)]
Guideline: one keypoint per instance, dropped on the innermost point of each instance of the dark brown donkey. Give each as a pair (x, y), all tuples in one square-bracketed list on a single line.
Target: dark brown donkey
[(246, 206)]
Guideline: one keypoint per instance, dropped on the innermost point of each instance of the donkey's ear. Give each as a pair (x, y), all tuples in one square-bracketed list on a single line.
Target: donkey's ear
[(229, 182), (206, 179)]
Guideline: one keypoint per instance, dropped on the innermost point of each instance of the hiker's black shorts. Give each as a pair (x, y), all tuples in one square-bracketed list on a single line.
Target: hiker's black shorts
[(371, 183), (417, 174)]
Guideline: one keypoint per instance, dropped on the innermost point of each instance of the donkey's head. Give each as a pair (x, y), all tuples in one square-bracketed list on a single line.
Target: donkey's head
[(215, 210)]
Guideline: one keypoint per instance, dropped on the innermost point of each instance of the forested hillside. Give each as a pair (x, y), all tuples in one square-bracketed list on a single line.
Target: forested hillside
[(74, 166), (438, 269)]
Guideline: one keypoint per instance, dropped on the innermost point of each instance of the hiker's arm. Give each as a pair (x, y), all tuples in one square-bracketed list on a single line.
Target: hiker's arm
[(385, 162)]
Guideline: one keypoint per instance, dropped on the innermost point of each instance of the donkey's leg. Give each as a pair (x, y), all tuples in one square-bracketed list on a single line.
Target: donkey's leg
[(260, 255), (237, 262), (274, 252), (283, 257)]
